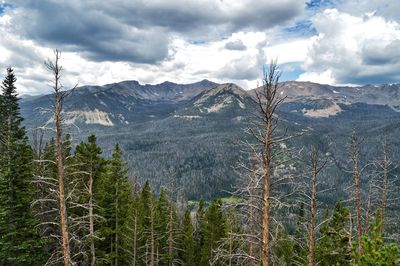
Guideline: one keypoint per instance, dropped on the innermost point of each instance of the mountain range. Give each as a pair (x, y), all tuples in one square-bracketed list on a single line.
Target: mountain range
[(193, 131)]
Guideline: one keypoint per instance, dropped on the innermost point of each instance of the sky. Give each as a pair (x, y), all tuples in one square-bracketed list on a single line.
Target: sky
[(334, 42)]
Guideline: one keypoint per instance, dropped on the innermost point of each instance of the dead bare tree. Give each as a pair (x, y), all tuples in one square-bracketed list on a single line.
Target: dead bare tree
[(382, 187), (268, 99), (59, 97), (266, 170), (355, 154), (316, 168), (385, 182), (173, 191)]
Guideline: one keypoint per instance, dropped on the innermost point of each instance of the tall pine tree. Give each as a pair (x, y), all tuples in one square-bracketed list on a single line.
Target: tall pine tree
[(88, 167), (333, 247), (19, 239), (115, 199), (213, 229), (188, 244)]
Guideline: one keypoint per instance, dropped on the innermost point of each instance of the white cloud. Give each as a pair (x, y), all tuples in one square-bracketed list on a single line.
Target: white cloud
[(95, 36), (389, 9), (352, 45), (353, 49), (321, 78), (289, 51)]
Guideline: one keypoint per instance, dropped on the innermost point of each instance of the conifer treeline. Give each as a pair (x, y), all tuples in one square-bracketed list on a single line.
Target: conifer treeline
[(112, 221), (111, 224)]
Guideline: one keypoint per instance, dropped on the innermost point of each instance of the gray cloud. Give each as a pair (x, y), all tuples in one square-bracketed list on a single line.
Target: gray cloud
[(358, 50), (248, 67), (235, 45), (376, 53), (138, 30)]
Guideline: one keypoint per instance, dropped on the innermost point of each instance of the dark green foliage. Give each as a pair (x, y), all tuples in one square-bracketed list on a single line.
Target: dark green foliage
[(20, 243), (213, 226), (146, 208), (87, 168), (284, 247), (161, 220), (375, 250), (199, 229), (333, 247), (188, 244), (115, 199), (300, 243)]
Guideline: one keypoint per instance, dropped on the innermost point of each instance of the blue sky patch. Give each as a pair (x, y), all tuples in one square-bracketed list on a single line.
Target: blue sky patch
[(290, 71), (302, 28), (3, 7), (197, 42), (318, 4)]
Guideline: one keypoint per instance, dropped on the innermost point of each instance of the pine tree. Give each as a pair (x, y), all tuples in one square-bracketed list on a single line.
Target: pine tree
[(115, 200), (300, 236), (188, 244), (199, 229), (229, 251), (284, 248), (20, 243), (333, 247), (88, 166), (213, 230), (375, 250), (166, 229)]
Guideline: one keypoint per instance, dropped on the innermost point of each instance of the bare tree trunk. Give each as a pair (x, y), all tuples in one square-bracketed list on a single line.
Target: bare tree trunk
[(170, 235), (368, 210), (147, 254), (251, 224), (350, 232), (266, 202), (267, 101), (91, 220), (152, 240), (385, 186), (55, 68), (230, 252), (315, 169), (357, 187), (157, 256), (135, 240), (116, 225)]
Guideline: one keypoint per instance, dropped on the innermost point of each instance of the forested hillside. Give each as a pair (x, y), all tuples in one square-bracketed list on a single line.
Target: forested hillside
[(195, 130), (296, 191)]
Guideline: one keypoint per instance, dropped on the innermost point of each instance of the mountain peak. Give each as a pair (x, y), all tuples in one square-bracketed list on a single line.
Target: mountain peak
[(222, 97), (226, 87)]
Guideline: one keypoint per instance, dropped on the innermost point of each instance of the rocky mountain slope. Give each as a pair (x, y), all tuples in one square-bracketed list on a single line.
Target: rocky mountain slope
[(194, 129)]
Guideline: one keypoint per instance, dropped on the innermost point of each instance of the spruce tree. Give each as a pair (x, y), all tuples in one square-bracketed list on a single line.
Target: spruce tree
[(161, 227), (20, 243), (376, 251), (115, 200), (333, 247), (88, 166), (188, 244), (213, 230), (147, 224), (199, 229)]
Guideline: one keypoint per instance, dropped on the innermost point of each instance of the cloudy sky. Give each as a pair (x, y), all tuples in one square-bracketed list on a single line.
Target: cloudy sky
[(324, 41)]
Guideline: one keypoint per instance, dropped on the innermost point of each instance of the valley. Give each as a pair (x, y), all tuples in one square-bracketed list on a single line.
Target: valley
[(194, 130)]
